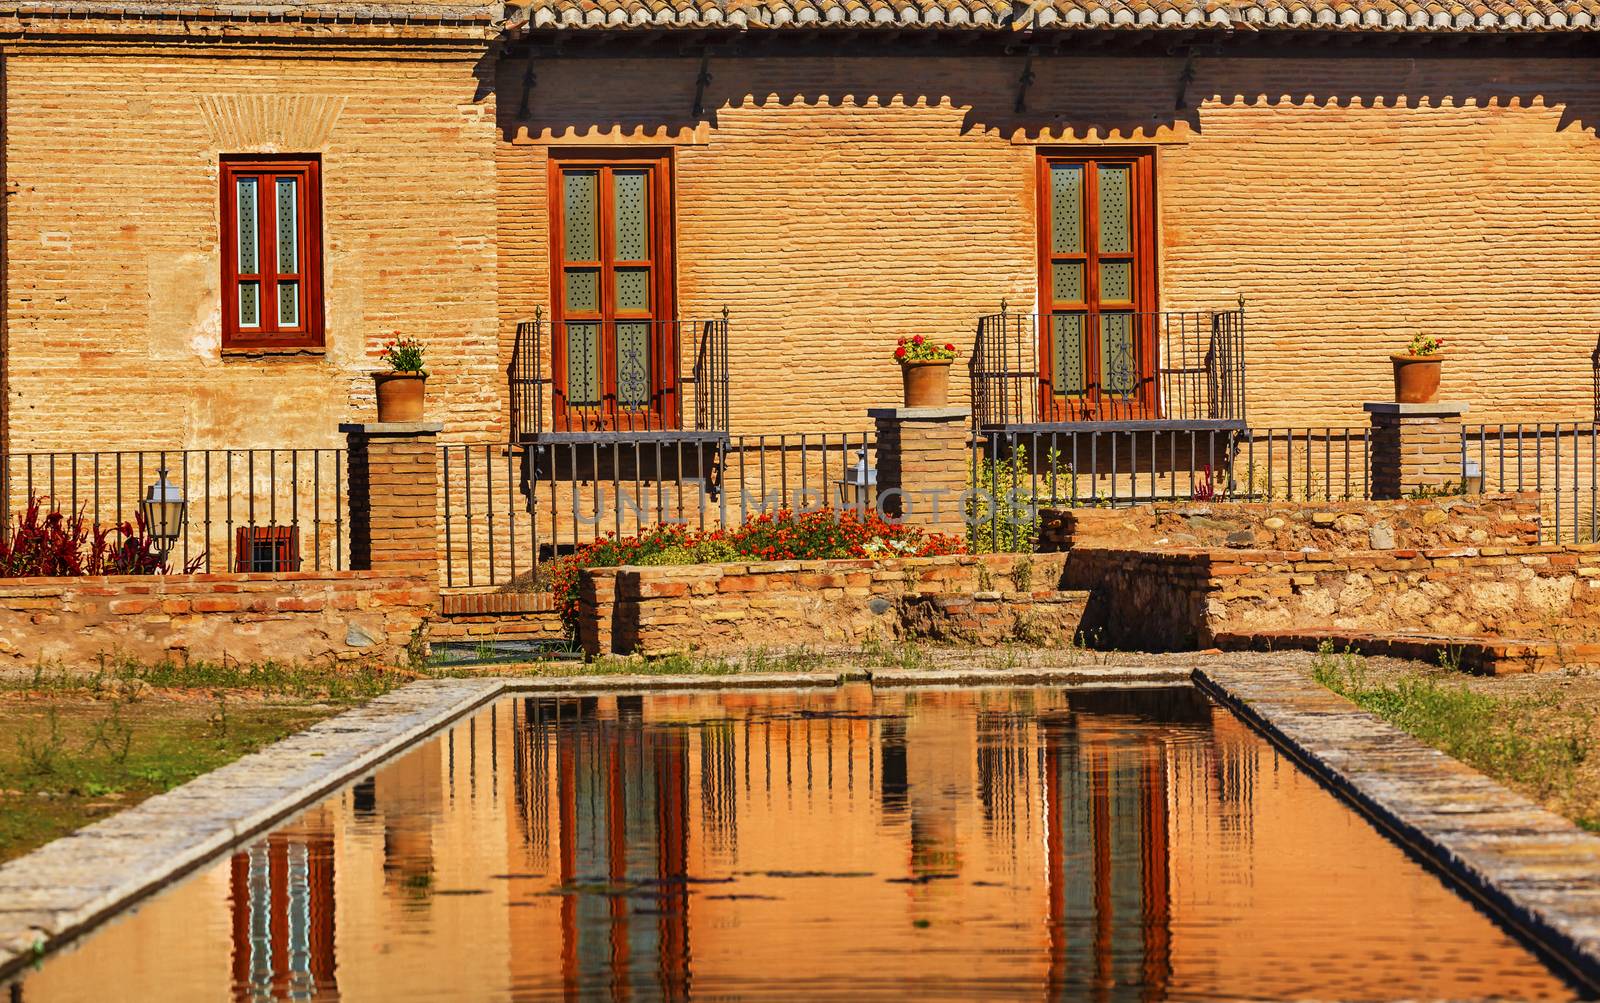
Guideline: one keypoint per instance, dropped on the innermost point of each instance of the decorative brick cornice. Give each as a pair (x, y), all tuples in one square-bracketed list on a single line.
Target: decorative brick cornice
[(1428, 16)]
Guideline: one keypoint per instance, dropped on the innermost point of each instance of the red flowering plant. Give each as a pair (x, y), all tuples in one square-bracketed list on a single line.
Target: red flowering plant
[(785, 535), (58, 544), (404, 355), (1425, 344), (920, 349)]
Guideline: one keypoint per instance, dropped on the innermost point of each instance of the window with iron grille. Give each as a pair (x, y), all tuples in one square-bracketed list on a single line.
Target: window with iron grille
[(267, 548), (271, 253)]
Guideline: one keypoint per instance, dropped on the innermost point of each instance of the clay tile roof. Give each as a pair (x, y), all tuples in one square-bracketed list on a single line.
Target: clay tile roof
[(1343, 15)]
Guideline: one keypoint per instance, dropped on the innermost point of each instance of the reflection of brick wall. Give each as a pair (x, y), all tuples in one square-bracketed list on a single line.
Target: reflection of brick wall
[(294, 617), (1181, 598), (786, 605)]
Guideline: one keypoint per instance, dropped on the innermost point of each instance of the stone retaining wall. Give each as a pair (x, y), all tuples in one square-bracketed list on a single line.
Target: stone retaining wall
[(344, 616), (779, 605), (1494, 520), (1182, 598)]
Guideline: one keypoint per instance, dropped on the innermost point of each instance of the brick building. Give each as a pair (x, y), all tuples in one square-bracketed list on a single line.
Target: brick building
[(215, 216)]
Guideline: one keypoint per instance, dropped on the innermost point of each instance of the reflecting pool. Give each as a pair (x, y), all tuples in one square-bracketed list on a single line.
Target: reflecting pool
[(961, 843)]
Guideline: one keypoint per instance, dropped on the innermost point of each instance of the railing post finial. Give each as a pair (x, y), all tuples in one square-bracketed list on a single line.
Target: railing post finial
[(724, 313), (538, 313), (1241, 301)]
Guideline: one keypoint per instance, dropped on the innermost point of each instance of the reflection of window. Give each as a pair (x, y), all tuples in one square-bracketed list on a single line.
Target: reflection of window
[(267, 548), (271, 253)]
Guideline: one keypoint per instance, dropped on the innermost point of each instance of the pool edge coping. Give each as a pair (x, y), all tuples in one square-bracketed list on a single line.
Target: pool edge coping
[(64, 889), (1520, 861)]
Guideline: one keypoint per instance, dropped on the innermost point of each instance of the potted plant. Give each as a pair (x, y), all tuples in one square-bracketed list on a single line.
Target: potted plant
[(925, 371), (1416, 374), (400, 390)]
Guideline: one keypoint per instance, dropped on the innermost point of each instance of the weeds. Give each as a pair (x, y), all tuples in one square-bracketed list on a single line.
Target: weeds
[(39, 753), (1532, 742)]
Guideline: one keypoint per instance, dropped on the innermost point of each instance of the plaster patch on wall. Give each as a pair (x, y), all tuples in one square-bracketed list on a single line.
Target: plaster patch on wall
[(184, 311), (255, 123)]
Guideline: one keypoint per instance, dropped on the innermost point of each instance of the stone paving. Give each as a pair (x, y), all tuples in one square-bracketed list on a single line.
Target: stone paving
[(1532, 867)]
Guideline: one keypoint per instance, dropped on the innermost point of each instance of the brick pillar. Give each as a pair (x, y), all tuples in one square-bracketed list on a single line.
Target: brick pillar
[(394, 497), (1415, 447), (924, 460)]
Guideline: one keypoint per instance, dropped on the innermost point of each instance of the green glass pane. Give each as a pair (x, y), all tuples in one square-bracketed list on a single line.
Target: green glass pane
[(633, 363), (583, 363), (1067, 286), (1116, 228), (249, 304), (579, 195), (1116, 281), (633, 236), (1118, 364), (246, 197), (1066, 208), (633, 289), (1066, 351), (288, 304), (288, 227), (583, 290)]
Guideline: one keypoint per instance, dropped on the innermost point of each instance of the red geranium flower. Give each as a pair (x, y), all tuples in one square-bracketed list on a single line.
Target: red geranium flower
[(949, 348), (917, 340), (900, 352)]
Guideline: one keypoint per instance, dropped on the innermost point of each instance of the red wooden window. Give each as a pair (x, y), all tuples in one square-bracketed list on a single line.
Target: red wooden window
[(1097, 285), (614, 340), (271, 252)]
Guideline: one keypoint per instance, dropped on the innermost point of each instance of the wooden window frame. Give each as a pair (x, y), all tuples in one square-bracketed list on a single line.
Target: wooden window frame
[(270, 334), (1143, 229), (663, 411)]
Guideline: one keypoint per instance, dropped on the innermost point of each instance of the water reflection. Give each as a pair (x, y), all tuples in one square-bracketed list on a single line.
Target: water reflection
[(1108, 844)]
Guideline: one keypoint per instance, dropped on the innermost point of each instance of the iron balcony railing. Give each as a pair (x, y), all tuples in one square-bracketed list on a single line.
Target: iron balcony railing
[(1114, 366), (618, 378)]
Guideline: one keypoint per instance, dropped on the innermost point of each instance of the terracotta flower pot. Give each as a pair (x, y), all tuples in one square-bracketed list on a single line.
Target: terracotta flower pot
[(1416, 378), (400, 396), (927, 384)]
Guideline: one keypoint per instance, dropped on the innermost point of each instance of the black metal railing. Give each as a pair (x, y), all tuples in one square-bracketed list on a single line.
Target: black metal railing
[(245, 509), (618, 378), (1560, 460), (1094, 467), (507, 508), (1171, 367)]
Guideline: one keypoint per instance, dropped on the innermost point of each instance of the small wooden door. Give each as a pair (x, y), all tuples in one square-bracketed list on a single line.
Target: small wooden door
[(614, 342), (1097, 325)]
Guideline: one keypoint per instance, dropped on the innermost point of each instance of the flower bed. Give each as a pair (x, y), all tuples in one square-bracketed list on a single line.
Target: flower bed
[(786, 535)]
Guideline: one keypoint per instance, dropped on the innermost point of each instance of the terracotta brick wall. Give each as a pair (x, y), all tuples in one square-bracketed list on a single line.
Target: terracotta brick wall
[(835, 204), (504, 616), (291, 617), (786, 605), (113, 303)]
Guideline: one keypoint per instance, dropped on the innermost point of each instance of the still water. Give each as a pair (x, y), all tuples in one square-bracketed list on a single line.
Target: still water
[(1104, 844)]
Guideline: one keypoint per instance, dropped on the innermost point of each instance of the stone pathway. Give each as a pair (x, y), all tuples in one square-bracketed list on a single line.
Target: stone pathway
[(1532, 867)]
